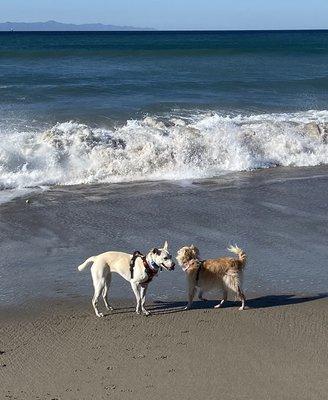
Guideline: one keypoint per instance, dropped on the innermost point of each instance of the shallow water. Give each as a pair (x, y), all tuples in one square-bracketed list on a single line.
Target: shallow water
[(277, 216)]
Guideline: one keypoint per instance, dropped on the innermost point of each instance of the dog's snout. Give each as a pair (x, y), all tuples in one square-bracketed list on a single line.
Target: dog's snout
[(173, 266)]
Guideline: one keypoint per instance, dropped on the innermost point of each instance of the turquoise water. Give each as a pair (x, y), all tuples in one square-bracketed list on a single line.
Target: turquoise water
[(109, 106)]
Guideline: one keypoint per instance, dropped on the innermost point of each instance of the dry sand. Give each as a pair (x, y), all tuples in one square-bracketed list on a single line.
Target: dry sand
[(275, 350)]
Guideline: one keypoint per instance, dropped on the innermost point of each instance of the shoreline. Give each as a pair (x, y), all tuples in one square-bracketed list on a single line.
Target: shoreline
[(275, 215), (228, 180), (40, 309), (278, 173)]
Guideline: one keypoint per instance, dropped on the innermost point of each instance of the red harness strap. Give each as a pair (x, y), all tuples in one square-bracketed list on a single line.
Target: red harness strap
[(149, 271)]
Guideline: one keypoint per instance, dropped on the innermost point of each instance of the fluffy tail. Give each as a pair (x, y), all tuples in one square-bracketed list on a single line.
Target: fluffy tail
[(90, 260), (240, 253)]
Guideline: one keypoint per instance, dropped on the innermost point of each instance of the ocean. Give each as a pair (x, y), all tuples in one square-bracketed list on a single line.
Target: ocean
[(186, 136), (103, 107)]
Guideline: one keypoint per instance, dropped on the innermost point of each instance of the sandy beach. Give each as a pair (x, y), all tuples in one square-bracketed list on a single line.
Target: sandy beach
[(53, 347), (275, 350)]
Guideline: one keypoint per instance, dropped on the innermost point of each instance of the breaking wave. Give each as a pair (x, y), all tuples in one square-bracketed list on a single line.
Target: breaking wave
[(153, 148)]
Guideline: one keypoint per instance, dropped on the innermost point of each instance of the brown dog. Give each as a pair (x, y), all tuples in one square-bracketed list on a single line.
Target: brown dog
[(221, 273)]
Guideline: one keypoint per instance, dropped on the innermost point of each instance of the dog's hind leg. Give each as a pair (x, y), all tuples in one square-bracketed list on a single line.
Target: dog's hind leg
[(136, 291), (232, 281), (242, 298), (225, 295), (105, 296), (99, 287), (99, 283)]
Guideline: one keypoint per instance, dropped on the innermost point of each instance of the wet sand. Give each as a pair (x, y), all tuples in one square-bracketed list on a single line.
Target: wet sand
[(279, 217), (52, 346)]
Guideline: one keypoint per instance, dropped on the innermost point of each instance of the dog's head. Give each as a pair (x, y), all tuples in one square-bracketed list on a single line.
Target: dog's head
[(186, 254), (162, 257)]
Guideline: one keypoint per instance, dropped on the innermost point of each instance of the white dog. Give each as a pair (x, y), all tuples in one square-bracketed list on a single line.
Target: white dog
[(137, 269)]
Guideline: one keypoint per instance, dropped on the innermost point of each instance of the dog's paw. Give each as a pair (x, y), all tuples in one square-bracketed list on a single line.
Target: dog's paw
[(110, 308), (186, 308), (146, 313), (241, 308), (100, 315), (219, 305)]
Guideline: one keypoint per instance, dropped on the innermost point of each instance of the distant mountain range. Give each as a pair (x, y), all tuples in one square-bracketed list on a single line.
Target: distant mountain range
[(59, 26)]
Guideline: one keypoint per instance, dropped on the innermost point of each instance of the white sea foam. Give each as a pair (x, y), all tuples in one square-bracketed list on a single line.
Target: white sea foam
[(162, 148)]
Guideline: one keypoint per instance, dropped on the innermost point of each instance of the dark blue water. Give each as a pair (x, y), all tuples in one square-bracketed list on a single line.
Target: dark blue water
[(99, 76)]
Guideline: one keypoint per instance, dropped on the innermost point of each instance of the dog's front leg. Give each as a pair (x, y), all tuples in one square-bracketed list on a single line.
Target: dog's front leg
[(191, 294), (136, 291), (143, 291)]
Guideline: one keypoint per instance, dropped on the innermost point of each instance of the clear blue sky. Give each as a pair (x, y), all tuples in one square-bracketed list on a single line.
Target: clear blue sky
[(174, 14)]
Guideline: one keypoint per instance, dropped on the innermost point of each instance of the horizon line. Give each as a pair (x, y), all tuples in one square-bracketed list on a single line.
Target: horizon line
[(155, 30), (133, 28)]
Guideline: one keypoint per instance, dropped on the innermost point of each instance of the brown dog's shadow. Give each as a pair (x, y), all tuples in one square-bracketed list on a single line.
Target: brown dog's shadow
[(163, 307)]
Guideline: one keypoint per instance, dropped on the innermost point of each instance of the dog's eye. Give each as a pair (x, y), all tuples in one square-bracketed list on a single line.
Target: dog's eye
[(166, 258)]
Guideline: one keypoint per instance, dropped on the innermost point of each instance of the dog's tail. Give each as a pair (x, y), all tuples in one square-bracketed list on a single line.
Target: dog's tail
[(240, 253), (90, 260)]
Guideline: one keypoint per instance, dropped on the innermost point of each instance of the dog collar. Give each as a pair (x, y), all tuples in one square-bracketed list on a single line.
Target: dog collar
[(153, 265), (188, 265)]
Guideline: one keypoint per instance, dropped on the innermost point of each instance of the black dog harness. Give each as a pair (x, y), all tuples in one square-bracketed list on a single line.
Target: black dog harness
[(199, 267), (135, 255), (151, 272)]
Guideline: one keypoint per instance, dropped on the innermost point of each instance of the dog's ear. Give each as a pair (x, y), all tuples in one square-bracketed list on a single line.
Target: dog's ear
[(166, 246), (195, 250), (156, 251), (187, 254)]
